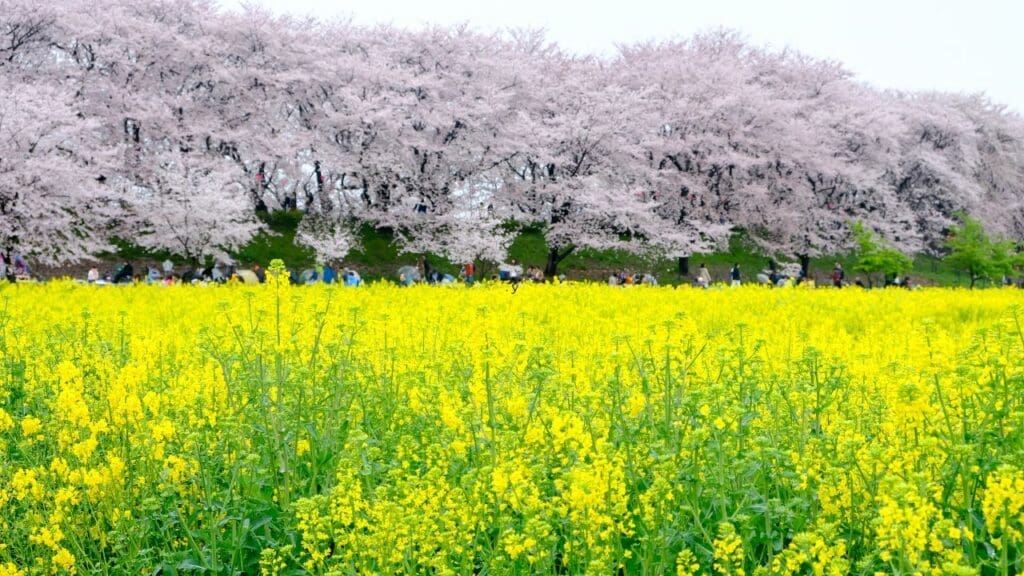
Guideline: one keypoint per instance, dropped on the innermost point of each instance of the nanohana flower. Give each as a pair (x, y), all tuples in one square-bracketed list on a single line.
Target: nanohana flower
[(568, 429)]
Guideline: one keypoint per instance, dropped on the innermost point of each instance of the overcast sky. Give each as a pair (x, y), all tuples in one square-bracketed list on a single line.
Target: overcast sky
[(949, 45)]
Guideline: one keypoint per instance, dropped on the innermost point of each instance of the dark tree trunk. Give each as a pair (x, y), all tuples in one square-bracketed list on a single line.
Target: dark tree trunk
[(805, 264), (9, 274), (365, 193), (555, 256), (259, 189), (319, 177), (310, 197), (551, 267), (684, 265)]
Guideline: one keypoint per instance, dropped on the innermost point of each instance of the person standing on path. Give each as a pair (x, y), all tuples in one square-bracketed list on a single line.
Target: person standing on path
[(837, 275), (703, 276)]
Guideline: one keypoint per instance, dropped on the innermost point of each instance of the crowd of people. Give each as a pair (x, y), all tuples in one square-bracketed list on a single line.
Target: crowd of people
[(796, 275), (627, 278), (16, 268), (168, 274), (511, 272)]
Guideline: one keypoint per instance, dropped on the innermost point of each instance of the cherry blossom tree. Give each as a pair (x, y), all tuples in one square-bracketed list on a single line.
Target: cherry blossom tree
[(331, 237), (578, 173), (53, 207), (828, 169), (26, 29), (788, 148), (175, 123), (154, 71), (470, 230), (708, 130), (433, 132), (191, 207)]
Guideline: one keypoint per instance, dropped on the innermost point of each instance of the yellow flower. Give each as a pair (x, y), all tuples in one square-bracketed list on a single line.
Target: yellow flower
[(6, 422), (572, 429), (64, 560), (11, 569), (686, 564), (30, 426)]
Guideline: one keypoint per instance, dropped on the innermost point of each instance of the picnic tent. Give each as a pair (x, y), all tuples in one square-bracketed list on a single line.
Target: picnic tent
[(247, 277)]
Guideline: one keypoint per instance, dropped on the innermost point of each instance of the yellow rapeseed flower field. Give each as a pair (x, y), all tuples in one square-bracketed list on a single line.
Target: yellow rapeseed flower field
[(572, 429)]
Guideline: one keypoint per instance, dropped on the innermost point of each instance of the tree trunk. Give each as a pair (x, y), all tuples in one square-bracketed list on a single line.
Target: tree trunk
[(554, 258), (684, 265), (8, 264), (551, 267), (805, 264), (319, 177), (259, 189)]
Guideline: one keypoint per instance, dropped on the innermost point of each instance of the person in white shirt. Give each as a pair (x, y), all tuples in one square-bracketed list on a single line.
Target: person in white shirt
[(703, 276)]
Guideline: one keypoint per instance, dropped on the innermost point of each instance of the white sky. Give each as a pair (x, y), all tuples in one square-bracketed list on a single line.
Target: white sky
[(949, 45)]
